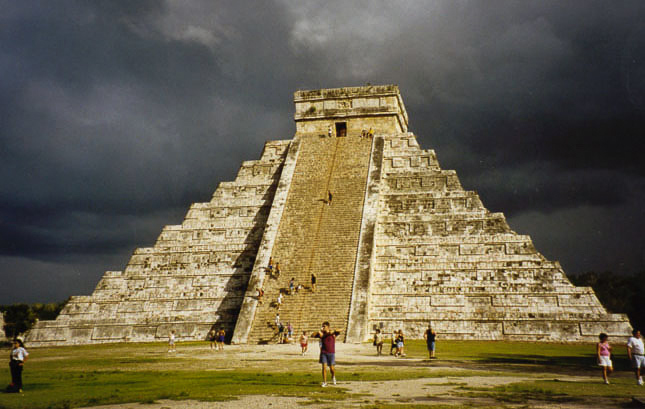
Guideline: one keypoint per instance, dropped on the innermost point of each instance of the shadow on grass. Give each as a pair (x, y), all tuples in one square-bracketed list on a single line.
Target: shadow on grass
[(553, 362)]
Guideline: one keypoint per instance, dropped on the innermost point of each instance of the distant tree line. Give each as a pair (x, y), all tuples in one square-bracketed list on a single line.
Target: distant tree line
[(619, 293), (19, 318)]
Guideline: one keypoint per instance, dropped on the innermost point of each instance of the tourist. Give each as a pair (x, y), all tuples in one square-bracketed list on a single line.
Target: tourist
[(18, 357), (400, 344), (171, 341), (378, 342), (221, 337), (212, 337), (303, 343), (635, 354), (327, 351), (279, 301), (430, 336), (329, 197), (330, 131), (313, 282), (270, 267), (260, 294), (363, 133), (289, 331), (298, 288), (603, 351), (393, 345), (277, 319), (292, 285), (277, 270), (370, 133), (280, 333)]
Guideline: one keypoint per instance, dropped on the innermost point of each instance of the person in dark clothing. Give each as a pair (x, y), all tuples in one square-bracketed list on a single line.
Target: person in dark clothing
[(18, 356), (430, 337)]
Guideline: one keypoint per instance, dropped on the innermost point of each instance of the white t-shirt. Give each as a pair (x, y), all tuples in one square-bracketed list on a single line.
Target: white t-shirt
[(19, 354), (636, 344)]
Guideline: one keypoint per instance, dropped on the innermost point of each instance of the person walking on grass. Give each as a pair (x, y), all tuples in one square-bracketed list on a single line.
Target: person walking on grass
[(393, 344), (635, 353), (18, 356), (221, 337), (430, 336), (171, 342), (400, 344), (304, 342), (212, 337), (378, 342), (327, 351), (603, 352)]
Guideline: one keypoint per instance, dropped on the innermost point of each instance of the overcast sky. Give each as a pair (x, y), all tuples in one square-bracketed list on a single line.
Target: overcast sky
[(116, 116)]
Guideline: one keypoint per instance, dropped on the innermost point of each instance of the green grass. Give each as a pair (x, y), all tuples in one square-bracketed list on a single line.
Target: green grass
[(560, 391), (68, 377), (508, 354)]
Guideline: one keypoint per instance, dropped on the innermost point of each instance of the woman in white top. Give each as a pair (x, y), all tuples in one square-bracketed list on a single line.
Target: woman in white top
[(18, 357)]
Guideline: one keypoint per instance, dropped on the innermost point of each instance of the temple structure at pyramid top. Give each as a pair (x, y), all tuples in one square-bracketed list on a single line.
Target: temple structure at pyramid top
[(381, 105), (351, 222)]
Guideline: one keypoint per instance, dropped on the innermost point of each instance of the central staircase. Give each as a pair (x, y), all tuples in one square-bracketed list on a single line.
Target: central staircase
[(317, 237)]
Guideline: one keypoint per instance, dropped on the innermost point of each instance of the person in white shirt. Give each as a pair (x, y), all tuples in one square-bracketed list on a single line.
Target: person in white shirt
[(18, 357), (635, 352), (171, 341)]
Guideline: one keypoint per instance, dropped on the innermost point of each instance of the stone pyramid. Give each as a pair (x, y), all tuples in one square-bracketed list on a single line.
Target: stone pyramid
[(400, 245)]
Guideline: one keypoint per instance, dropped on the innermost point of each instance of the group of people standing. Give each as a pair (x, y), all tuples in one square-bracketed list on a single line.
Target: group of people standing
[(397, 347), (217, 339), (364, 133)]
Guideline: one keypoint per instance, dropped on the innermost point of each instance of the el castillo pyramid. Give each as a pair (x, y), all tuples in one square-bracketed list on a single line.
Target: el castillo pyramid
[(401, 245)]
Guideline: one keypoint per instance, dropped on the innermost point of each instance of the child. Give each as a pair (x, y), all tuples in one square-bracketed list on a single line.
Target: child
[(603, 351), (393, 346), (400, 344), (171, 341), (303, 342), (220, 339)]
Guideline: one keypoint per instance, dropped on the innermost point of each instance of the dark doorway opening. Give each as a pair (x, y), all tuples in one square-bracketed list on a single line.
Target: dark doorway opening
[(341, 129)]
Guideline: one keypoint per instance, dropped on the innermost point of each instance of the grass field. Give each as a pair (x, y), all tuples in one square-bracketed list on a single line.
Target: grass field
[(67, 377)]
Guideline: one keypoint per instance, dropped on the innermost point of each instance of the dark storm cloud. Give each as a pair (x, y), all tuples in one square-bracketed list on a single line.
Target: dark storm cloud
[(115, 116)]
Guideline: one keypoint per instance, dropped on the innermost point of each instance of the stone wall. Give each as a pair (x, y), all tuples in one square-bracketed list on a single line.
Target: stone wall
[(403, 245), (191, 280), (442, 258)]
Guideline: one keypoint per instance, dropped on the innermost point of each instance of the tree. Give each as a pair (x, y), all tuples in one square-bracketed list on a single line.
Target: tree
[(18, 319), (619, 293)]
